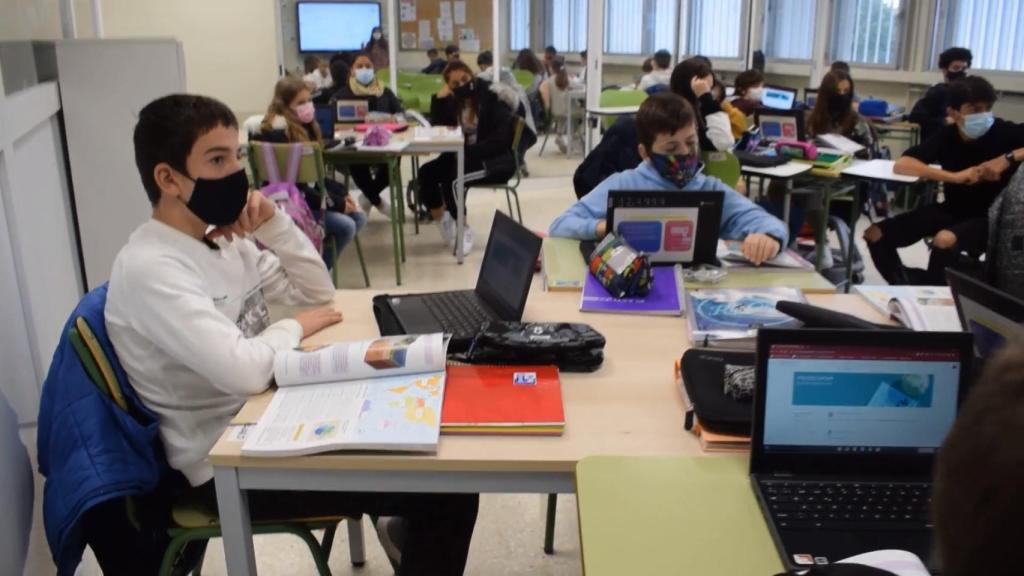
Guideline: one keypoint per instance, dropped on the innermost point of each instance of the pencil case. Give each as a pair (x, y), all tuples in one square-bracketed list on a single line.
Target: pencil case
[(624, 272)]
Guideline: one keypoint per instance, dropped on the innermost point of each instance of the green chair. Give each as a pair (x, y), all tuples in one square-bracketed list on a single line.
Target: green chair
[(524, 78), (722, 165), (190, 520), (311, 171), (615, 98), (511, 187)]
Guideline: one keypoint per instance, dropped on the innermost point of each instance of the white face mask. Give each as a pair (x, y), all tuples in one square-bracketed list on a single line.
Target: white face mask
[(755, 94), (376, 35)]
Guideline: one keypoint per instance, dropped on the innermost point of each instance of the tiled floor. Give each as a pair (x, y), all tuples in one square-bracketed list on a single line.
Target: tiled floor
[(510, 529)]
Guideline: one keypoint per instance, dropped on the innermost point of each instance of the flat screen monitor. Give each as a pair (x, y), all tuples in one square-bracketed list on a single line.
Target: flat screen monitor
[(335, 26), (778, 98)]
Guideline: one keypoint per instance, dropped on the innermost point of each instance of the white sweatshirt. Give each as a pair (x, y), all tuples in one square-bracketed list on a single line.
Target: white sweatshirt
[(191, 327)]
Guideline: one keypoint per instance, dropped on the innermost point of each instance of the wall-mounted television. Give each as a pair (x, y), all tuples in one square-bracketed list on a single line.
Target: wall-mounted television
[(335, 26)]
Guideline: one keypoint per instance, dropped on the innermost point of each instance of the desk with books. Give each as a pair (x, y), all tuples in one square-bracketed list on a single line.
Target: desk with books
[(630, 406)]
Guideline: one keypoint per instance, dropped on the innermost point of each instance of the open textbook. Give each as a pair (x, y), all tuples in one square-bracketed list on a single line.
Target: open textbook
[(730, 252), (380, 394), (921, 308)]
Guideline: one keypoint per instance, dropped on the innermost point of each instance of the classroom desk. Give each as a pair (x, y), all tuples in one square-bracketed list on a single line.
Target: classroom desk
[(454, 143), (785, 172), (909, 131), (602, 111), (684, 514), (630, 406)]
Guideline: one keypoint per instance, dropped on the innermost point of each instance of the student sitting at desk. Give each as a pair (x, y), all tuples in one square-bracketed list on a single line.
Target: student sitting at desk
[(290, 119), (363, 85), (978, 155), (667, 132), (436, 65), (749, 86), (187, 315), (930, 111), (485, 112), (833, 113), (661, 74)]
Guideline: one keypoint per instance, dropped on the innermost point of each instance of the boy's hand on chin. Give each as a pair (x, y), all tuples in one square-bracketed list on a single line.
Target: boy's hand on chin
[(258, 209)]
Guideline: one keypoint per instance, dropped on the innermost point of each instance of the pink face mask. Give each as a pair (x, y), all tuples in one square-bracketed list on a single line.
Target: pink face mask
[(305, 112)]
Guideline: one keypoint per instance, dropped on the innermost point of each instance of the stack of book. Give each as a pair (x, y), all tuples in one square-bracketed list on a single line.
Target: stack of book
[(731, 316), (503, 400)]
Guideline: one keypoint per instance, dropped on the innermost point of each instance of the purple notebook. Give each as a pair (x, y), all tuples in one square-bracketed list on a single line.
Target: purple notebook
[(665, 297)]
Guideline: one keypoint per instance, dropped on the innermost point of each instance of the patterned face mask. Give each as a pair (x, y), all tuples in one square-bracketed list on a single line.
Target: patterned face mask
[(675, 168)]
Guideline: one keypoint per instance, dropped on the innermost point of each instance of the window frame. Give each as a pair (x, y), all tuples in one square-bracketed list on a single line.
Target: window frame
[(726, 63), (819, 8), (647, 46), (898, 43), (942, 30)]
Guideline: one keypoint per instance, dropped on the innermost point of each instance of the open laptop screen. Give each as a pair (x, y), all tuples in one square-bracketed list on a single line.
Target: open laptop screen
[(670, 227), (507, 268), (834, 398), (778, 98), (992, 316)]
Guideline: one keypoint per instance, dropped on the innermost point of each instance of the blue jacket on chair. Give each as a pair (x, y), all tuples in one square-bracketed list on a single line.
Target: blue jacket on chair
[(90, 450)]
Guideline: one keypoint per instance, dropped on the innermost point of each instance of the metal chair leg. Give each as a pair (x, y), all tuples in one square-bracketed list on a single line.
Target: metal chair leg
[(549, 528), (362, 263)]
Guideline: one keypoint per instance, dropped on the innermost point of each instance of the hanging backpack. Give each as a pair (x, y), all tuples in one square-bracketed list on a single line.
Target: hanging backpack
[(287, 196), (1005, 255)]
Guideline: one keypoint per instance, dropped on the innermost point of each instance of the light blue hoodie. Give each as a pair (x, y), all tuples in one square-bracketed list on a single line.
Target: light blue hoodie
[(740, 216)]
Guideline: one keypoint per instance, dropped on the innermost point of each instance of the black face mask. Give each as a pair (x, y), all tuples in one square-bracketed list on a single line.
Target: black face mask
[(954, 76), (219, 202), (466, 90), (839, 104)]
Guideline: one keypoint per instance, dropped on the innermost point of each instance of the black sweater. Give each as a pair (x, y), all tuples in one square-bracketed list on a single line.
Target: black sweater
[(495, 128), (387, 102)]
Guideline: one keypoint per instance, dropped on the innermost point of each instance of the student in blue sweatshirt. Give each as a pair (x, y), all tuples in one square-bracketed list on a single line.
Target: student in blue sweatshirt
[(668, 146)]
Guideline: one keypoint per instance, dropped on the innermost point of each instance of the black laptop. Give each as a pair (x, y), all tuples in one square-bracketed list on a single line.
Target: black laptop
[(671, 227), (991, 315), (500, 294), (846, 427)]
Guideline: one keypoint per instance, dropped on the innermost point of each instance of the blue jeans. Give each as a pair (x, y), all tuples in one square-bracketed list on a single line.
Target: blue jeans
[(343, 228)]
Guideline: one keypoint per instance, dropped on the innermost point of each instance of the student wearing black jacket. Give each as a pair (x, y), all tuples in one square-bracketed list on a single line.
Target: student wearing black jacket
[(978, 155), (485, 111), (930, 111), (362, 84)]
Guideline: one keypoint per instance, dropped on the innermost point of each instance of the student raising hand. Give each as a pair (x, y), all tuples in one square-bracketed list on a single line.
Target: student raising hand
[(759, 248), (258, 209), (315, 320)]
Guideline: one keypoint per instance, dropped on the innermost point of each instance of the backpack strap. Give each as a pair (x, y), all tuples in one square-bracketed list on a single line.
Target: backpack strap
[(294, 159), (270, 162)]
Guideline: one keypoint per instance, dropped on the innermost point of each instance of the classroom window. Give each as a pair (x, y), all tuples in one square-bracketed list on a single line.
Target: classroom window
[(639, 26), (715, 28), (992, 29), (566, 25), (789, 29), (519, 24), (867, 31)]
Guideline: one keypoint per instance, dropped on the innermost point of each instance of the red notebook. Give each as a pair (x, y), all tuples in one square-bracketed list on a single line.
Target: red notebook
[(503, 400)]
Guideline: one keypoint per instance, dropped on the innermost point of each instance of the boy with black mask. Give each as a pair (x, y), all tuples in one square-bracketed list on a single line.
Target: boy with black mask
[(930, 111)]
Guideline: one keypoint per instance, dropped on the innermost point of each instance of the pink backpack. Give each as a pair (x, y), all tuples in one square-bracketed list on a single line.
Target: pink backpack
[(287, 195)]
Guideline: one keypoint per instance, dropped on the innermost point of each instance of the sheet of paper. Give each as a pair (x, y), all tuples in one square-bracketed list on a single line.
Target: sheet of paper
[(445, 6), (407, 10), (408, 40), (445, 30), (426, 42), (460, 12), (425, 30), (469, 45)]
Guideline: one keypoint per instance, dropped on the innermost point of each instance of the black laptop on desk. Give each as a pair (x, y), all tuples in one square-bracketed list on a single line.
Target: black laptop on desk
[(671, 227), (846, 427), (500, 294), (991, 315)]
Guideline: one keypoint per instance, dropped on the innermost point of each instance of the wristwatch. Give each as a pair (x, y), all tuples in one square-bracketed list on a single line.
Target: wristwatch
[(1011, 158)]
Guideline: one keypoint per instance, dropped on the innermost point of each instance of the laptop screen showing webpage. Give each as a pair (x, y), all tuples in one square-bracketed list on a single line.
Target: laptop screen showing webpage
[(777, 98), (837, 399)]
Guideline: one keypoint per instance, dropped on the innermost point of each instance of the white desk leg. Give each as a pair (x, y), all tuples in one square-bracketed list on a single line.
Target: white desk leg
[(460, 203), (568, 127), (233, 508), (589, 132)]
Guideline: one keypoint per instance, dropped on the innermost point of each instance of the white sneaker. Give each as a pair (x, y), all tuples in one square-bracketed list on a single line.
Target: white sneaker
[(467, 240), (447, 227), (384, 207), (364, 203), (560, 142)]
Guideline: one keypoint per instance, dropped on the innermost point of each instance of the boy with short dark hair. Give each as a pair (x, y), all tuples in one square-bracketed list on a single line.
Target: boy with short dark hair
[(187, 313), (661, 72), (668, 146), (977, 155), (436, 65), (452, 52), (930, 111)]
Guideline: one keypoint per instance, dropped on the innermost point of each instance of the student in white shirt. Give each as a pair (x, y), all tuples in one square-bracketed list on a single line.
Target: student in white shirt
[(187, 313), (318, 74), (662, 72)]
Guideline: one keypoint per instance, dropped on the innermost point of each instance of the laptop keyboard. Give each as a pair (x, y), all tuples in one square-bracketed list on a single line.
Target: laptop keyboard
[(459, 313), (848, 506)]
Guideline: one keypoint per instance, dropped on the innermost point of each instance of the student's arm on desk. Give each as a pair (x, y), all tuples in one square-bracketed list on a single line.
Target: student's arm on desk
[(910, 166), (741, 217), (585, 219)]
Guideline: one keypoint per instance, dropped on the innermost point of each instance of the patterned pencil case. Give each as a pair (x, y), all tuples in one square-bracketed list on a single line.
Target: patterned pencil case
[(623, 271)]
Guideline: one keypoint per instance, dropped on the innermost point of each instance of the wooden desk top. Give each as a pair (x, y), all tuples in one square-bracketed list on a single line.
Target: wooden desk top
[(671, 515), (630, 406)]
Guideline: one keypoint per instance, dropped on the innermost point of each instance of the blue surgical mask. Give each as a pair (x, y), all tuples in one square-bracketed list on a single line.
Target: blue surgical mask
[(977, 125), (364, 76)]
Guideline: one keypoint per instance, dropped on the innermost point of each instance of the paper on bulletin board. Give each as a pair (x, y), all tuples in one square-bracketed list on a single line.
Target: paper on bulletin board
[(408, 12), (426, 43), (445, 29), (460, 14), (425, 29), (446, 9), (408, 40), (469, 45)]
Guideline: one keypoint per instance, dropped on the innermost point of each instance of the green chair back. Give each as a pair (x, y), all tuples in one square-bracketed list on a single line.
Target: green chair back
[(722, 165), (524, 78), (311, 166), (615, 98)]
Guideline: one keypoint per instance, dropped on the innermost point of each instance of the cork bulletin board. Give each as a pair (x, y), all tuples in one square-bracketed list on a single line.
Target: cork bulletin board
[(427, 24)]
